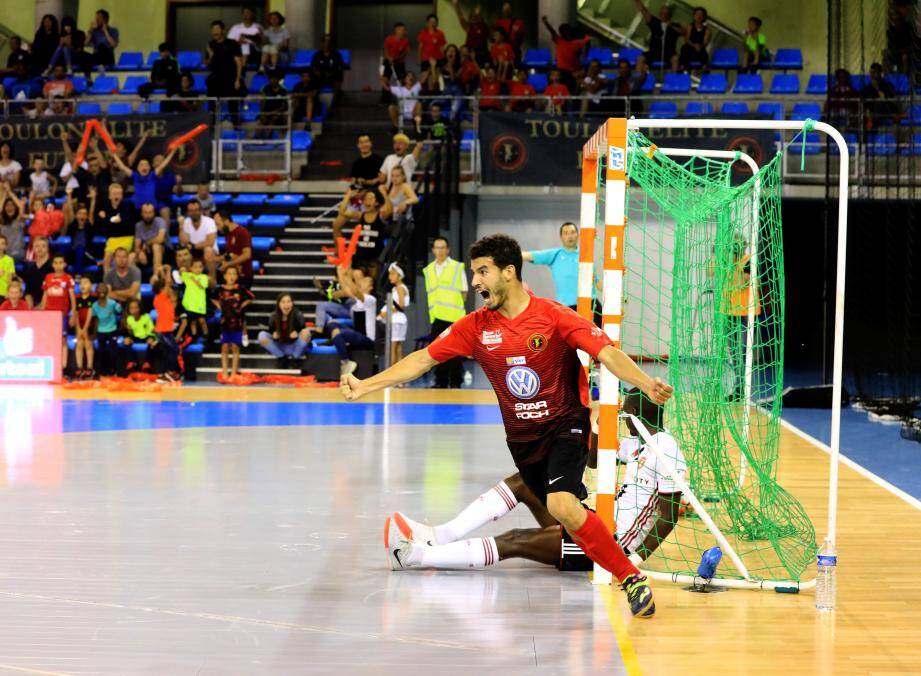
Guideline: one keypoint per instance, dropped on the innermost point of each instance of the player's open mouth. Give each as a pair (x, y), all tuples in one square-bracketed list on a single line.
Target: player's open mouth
[(484, 293)]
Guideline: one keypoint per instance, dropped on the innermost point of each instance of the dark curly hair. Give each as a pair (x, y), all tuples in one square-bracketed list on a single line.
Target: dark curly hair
[(503, 250)]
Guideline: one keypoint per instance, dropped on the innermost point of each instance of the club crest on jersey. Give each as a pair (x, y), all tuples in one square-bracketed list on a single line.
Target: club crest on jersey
[(492, 337), (445, 333), (537, 342), (522, 382), (515, 361)]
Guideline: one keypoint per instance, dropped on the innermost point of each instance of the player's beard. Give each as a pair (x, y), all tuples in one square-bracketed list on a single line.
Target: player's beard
[(493, 298)]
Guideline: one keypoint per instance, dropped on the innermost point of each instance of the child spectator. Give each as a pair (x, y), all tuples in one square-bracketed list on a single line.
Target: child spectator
[(393, 63), (194, 302), (137, 327), (165, 305), (58, 296), (555, 92), (274, 115), (7, 269), (399, 301), (14, 299), (431, 43), (569, 48), (490, 87), (84, 329), (44, 185), (755, 45), (77, 221), (232, 300), (364, 320), (289, 339), (277, 42), (524, 90), (145, 182), (205, 200), (106, 312), (502, 55)]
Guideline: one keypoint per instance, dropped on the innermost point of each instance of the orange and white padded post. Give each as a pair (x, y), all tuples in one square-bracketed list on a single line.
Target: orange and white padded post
[(587, 238), (615, 222)]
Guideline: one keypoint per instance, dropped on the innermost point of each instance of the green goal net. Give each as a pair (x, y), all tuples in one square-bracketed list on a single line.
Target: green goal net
[(704, 309)]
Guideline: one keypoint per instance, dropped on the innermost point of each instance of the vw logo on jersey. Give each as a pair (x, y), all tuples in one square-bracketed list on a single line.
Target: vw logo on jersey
[(522, 382)]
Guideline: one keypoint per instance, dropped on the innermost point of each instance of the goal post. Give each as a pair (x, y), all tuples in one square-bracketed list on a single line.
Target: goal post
[(684, 230)]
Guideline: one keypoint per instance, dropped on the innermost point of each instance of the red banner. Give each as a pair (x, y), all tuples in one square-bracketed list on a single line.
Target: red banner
[(30, 347)]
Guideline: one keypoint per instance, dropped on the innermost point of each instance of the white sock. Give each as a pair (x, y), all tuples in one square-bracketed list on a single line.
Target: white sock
[(476, 553), (493, 504)]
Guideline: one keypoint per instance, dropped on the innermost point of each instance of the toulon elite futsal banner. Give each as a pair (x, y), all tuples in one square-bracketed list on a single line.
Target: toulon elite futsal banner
[(42, 138), (537, 149)]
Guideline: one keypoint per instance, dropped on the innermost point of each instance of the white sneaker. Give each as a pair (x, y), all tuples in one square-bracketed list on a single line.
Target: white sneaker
[(398, 548), (347, 367), (413, 530), (245, 339)]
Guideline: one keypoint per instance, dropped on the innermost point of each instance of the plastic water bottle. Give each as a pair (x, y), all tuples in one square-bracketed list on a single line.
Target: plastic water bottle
[(709, 562), (825, 582)]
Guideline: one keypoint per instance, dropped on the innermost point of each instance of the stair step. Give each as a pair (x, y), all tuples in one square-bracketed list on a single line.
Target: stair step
[(295, 253), (281, 278)]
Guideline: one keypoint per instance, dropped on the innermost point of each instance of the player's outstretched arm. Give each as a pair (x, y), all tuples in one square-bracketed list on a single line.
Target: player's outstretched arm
[(622, 366), (404, 371)]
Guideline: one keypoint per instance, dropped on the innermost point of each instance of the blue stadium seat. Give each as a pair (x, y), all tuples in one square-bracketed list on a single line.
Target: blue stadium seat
[(302, 58), (104, 84), (229, 138), (272, 221), (291, 79), (258, 82), (650, 85), (468, 138), (775, 110), (698, 108), (346, 58), (785, 84), (153, 56), (320, 112), (88, 108), (538, 81), (802, 111), (132, 82), (249, 111), (130, 61), (250, 198), (788, 59), (221, 199), (316, 348), (152, 107), (146, 291), (603, 55), (285, 200), (859, 81), (813, 143), (663, 109), (712, 83), (850, 140), (881, 145), (246, 220), (913, 148), (748, 83), (195, 348), (676, 83), (913, 117), (899, 82), (190, 59), (60, 242), (263, 244), (630, 54), (301, 141), (537, 58), (818, 84), (119, 108), (79, 84), (725, 59), (734, 108), (199, 83)]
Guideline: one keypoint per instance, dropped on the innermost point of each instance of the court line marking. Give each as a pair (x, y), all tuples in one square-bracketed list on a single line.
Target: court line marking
[(857, 467), (28, 670), (621, 636)]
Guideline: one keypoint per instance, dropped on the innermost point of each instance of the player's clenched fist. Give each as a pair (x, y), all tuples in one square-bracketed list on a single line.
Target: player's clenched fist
[(659, 392), (350, 387)]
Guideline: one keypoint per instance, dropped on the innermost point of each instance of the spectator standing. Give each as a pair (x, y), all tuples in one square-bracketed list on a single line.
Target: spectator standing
[(7, 269), (843, 101), (400, 157), (12, 226), (59, 296), (277, 42), (78, 221), (15, 301), (124, 279), (446, 293), (164, 74), (469, 71), (396, 49), (563, 262), (44, 185), (104, 39), (248, 34), (514, 29), (523, 91), (399, 301), (569, 46), (327, 66), (84, 329), (878, 96), (106, 312), (165, 327), (116, 219), (287, 337), (137, 328), (405, 105), (361, 335), (35, 272), (755, 45), (593, 87), (144, 180), (490, 87), (239, 248), (431, 43), (10, 169), (225, 61), (304, 94), (402, 195), (94, 177), (47, 39), (555, 93), (663, 35), (502, 55), (232, 300), (476, 29), (199, 232), (377, 210), (194, 300), (365, 171), (622, 88), (899, 38), (59, 86), (451, 77), (166, 184), (205, 199), (151, 237), (274, 114), (697, 37)]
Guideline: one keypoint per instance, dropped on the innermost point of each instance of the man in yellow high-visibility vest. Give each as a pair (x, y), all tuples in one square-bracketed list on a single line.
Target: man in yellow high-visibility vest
[(446, 289)]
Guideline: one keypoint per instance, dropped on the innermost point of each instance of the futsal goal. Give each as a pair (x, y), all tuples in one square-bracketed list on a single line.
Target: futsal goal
[(693, 288)]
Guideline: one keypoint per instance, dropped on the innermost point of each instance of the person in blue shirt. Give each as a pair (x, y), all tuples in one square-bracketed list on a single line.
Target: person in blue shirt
[(563, 263), (145, 180)]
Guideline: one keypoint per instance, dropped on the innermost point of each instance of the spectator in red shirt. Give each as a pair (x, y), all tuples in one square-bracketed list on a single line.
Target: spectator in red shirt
[(554, 93), (477, 31), (503, 56), (59, 295), (513, 28), (569, 48), (396, 49), (14, 299), (431, 43), (490, 86), (520, 87), (238, 248), (469, 71)]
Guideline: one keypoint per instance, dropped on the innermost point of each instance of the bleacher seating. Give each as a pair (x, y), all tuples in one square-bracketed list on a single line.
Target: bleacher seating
[(850, 140), (725, 59), (119, 108), (276, 221), (748, 83), (286, 200), (881, 145), (676, 83), (818, 84), (190, 59), (104, 85), (803, 111), (663, 109), (88, 108), (301, 58), (80, 84), (785, 84), (698, 108), (301, 141), (900, 83), (788, 59), (812, 142), (712, 83), (537, 58), (914, 116), (132, 82), (603, 55), (130, 61), (734, 108), (913, 148), (649, 86), (630, 55), (775, 110), (538, 81)]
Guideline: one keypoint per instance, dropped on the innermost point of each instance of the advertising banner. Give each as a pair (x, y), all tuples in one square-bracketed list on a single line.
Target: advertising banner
[(30, 347)]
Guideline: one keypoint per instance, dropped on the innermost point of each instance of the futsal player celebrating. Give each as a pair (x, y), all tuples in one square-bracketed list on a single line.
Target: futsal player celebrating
[(527, 347), (647, 510)]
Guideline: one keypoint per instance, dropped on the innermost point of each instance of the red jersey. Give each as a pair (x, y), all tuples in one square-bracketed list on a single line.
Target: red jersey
[(532, 365), (488, 88), (22, 306), (396, 49), (166, 313), (553, 91), (469, 71), (432, 43), (514, 30), (502, 52), (84, 308), (236, 242), (57, 292), (567, 53), (477, 34)]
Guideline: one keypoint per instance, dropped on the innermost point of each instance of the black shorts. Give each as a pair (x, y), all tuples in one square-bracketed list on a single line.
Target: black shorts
[(561, 469)]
